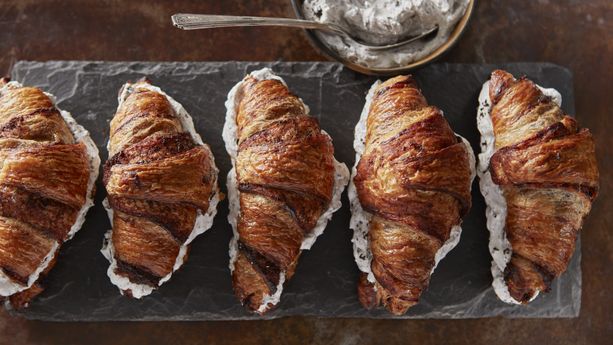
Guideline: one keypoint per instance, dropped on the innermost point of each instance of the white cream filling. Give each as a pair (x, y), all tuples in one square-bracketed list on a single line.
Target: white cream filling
[(496, 205), (341, 176), (384, 22), (203, 222), (9, 287), (360, 219)]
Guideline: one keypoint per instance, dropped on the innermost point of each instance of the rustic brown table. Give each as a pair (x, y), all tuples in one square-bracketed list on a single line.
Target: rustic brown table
[(576, 34)]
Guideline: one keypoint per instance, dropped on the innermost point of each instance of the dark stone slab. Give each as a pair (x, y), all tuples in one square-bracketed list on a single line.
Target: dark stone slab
[(325, 281)]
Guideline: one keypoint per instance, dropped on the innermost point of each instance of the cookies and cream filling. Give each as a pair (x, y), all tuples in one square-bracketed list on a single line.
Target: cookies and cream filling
[(385, 22)]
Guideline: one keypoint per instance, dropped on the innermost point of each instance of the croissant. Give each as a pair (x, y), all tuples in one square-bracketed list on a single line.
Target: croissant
[(48, 167), (539, 176), (161, 181), (410, 188), (283, 188)]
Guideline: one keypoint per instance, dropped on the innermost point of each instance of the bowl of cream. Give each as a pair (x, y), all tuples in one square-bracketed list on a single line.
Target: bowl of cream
[(385, 22)]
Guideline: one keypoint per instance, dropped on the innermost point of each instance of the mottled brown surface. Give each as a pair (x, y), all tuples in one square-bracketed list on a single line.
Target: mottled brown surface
[(155, 172), (576, 34), (414, 177), (547, 169), (42, 172), (285, 175)]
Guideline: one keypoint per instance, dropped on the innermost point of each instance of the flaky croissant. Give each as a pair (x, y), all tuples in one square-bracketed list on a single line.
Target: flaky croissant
[(284, 187), (539, 176), (412, 178), (48, 166), (161, 181)]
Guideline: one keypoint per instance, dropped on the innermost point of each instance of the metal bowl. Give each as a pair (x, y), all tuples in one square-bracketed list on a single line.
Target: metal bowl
[(323, 48)]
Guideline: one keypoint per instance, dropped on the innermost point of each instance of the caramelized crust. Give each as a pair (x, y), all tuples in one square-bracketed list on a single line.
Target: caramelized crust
[(250, 283), (414, 178), (305, 155), (157, 179), (40, 211), (33, 246), (59, 171), (177, 218), (142, 114), (43, 184), (547, 170), (569, 160), (22, 299), (184, 178), (285, 172), (27, 113), (157, 249)]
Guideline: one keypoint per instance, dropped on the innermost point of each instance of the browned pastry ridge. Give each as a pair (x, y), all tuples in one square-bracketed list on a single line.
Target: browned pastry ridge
[(546, 167), (285, 174), (414, 177), (157, 179), (44, 177)]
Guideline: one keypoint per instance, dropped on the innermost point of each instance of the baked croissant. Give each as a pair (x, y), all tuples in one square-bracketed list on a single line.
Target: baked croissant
[(283, 189), (161, 181), (411, 187), (48, 167), (539, 176)]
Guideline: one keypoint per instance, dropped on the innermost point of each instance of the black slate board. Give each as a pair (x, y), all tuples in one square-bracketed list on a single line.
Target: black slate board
[(325, 281)]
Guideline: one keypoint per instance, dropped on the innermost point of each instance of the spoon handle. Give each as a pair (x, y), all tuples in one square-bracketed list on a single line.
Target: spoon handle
[(187, 21)]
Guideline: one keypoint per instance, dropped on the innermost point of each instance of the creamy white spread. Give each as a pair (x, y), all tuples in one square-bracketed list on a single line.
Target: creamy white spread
[(385, 22), (203, 222), (230, 137), (496, 210), (8, 286), (360, 219)]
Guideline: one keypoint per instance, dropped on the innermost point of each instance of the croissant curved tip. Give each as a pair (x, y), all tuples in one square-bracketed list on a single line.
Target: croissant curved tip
[(399, 81), (400, 307), (144, 79), (366, 292), (499, 81)]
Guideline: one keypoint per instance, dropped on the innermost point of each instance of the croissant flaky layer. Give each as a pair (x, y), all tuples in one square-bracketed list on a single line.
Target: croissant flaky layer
[(285, 172), (414, 178), (546, 169), (159, 181), (27, 113), (46, 181)]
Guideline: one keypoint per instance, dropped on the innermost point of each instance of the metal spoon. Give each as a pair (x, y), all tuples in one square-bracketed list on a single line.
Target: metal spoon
[(205, 21)]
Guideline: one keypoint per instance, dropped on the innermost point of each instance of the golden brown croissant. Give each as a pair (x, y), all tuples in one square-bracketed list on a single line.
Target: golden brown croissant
[(161, 181), (48, 166), (539, 177), (284, 187), (412, 179)]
